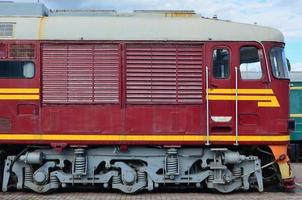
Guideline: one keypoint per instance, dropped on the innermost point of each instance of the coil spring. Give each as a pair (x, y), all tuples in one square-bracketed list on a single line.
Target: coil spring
[(172, 165), (79, 151), (141, 177), (79, 165), (237, 172), (80, 161), (54, 181), (116, 179), (211, 178), (172, 151), (172, 162), (28, 174)]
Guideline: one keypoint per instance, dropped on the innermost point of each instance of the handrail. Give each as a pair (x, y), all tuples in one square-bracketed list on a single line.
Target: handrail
[(207, 106), (236, 105), (266, 62)]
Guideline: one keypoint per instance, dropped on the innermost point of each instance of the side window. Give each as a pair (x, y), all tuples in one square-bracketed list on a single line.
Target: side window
[(17, 69), (279, 63), (250, 65), (221, 63)]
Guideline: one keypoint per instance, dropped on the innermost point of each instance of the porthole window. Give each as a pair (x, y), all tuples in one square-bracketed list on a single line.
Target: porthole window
[(221, 63), (17, 69), (250, 64)]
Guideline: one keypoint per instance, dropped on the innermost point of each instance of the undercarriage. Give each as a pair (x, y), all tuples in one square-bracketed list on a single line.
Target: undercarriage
[(132, 170)]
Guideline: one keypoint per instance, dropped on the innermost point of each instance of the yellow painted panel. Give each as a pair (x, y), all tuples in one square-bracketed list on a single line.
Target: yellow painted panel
[(198, 138), (19, 97), (241, 91), (263, 101), (19, 90)]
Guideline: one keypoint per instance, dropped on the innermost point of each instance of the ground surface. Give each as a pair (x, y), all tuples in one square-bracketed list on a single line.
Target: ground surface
[(162, 195)]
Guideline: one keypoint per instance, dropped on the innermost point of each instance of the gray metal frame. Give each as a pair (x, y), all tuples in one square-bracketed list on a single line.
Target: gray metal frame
[(139, 168)]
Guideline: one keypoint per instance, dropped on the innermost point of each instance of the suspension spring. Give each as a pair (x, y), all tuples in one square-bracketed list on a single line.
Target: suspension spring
[(116, 179), (237, 172), (172, 162), (28, 174), (79, 162), (211, 178), (141, 176), (54, 181)]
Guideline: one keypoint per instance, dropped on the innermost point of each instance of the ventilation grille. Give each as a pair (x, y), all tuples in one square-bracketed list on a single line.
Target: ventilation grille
[(3, 52), (22, 51), (80, 73), (5, 124), (164, 73), (6, 29)]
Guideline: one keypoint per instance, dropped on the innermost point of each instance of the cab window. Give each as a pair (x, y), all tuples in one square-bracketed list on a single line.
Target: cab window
[(221, 63), (17, 69), (250, 64), (279, 63)]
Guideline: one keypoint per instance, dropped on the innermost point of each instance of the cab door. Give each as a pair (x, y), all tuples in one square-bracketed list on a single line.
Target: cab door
[(221, 84), (257, 101)]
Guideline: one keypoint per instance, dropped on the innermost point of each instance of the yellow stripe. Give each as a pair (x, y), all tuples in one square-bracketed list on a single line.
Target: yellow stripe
[(19, 90), (173, 138), (19, 97), (263, 101), (295, 115), (241, 91), (296, 88)]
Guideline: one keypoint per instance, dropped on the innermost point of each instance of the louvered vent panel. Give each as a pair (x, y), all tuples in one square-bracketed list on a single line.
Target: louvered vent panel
[(55, 74), (6, 29), (22, 51), (106, 74), (3, 50), (5, 124), (80, 70), (80, 73), (164, 73)]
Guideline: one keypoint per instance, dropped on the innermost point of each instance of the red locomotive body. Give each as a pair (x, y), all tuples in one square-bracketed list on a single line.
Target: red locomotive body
[(223, 93)]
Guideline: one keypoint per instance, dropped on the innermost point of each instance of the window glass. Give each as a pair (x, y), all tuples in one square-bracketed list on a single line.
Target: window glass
[(250, 65), (279, 63), (221, 63), (17, 69)]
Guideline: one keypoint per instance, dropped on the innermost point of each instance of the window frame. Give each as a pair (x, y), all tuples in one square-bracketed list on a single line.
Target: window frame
[(261, 61), (230, 61), (20, 78)]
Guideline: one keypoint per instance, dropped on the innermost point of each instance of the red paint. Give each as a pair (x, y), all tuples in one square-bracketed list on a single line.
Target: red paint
[(106, 98)]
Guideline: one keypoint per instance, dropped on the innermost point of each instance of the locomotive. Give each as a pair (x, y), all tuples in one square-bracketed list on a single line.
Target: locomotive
[(295, 147), (139, 101)]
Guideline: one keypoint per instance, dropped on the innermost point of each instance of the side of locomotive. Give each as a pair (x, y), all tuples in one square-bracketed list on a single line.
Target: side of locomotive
[(296, 114), (139, 101)]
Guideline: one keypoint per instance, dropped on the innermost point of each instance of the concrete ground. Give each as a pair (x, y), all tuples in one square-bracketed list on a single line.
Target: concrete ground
[(162, 195)]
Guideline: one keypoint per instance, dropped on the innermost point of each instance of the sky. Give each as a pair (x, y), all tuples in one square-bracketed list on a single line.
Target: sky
[(283, 15)]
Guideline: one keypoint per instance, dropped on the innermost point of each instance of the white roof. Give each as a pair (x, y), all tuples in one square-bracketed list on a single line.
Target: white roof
[(137, 26)]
